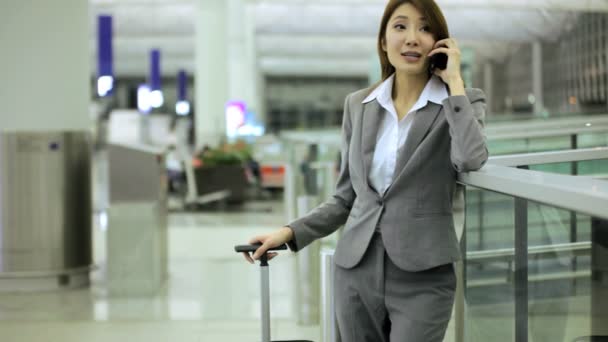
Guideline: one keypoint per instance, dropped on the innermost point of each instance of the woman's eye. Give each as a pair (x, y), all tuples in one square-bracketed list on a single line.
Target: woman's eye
[(425, 28), (400, 27)]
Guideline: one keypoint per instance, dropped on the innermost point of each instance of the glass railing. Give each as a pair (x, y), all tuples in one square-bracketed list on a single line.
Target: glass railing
[(585, 163), (536, 117), (540, 136), (311, 167), (525, 136), (542, 293), (513, 287), (535, 249)]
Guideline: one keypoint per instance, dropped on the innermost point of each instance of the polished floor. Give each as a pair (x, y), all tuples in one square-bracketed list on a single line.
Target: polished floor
[(212, 294)]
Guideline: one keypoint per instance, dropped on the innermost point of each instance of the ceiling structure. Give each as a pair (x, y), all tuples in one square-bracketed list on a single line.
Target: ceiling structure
[(324, 37)]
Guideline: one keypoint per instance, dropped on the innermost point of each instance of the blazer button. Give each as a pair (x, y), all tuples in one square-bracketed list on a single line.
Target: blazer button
[(380, 203), (457, 109)]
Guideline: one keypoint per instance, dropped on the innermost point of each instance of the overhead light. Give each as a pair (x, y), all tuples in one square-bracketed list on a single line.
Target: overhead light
[(105, 80), (143, 99), (104, 85), (156, 98), (103, 221), (588, 124), (182, 108)]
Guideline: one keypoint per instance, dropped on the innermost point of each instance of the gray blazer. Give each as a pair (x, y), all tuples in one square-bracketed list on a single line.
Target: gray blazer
[(414, 215)]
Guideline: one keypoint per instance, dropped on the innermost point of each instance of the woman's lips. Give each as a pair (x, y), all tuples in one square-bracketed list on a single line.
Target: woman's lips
[(411, 58)]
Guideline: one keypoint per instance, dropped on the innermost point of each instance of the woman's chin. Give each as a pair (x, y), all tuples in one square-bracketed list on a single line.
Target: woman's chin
[(411, 70)]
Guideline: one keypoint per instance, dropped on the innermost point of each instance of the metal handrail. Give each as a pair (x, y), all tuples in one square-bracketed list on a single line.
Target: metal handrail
[(579, 194), (551, 123), (506, 253), (550, 157), (544, 133)]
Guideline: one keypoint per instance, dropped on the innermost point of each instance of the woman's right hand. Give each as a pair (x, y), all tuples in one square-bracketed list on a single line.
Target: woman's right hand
[(275, 239)]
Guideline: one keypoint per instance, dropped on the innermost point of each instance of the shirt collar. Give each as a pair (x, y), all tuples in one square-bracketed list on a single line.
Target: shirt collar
[(434, 91), (382, 91)]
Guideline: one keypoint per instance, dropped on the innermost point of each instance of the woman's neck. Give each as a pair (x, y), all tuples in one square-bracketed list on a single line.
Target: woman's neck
[(407, 88)]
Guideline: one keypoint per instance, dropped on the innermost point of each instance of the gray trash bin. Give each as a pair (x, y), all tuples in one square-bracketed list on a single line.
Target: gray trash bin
[(45, 210)]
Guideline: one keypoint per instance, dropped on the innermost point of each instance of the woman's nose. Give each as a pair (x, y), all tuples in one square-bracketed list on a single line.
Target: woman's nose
[(411, 38), (411, 42)]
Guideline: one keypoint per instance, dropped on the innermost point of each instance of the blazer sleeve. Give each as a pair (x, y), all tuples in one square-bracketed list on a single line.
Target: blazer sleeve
[(330, 215), (465, 116)]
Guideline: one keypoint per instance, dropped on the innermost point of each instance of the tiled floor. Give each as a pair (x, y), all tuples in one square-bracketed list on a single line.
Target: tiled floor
[(212, 294)]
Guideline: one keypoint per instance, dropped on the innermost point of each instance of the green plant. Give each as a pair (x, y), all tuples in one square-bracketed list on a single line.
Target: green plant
[(215, 157), (228, 154)]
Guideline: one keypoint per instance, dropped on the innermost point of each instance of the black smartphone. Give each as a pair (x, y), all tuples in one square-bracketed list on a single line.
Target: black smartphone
[(439, 60)]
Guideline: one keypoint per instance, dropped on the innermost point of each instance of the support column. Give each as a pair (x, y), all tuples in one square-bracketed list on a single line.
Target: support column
[(257, 78), (261, 108), (226, 65), (242, 68), (374, 73), (605, 71), (537, 76), (211, 72), (45, 159), (45, 65)]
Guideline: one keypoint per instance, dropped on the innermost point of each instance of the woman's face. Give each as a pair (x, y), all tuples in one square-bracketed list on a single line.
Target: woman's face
[(408, 40)]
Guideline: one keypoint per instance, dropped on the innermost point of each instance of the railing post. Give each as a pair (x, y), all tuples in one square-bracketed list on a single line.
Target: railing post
[(480, 220), (573, 218), (459, 301), (290, 185), (521, 268), (329, 327), (308, 273), (599, 276)]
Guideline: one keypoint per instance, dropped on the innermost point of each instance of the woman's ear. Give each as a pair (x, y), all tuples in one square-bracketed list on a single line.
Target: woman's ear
[(383, 44)]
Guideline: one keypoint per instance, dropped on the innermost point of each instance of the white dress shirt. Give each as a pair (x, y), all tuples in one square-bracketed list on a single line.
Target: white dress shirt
[(392, 133)]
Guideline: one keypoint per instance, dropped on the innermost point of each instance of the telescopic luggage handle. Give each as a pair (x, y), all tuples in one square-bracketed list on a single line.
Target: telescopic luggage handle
[(254, 247), (265, 307)]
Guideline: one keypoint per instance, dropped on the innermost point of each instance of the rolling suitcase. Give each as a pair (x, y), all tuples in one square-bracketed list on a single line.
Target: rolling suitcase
[(265, 289)]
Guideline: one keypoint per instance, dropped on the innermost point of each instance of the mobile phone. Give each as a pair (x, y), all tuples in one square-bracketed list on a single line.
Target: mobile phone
[(439, 60)]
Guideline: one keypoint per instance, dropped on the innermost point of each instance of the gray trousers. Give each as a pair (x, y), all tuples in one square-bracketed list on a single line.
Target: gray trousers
[(378, 302)]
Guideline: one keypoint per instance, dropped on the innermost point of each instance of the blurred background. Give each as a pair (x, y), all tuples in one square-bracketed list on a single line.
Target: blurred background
[(140, 140)]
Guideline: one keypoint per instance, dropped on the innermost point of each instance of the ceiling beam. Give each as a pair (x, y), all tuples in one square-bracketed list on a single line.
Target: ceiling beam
[(556, 5), (140, 68), (277, 66), (98, 3), (532, 5), (283, 45)]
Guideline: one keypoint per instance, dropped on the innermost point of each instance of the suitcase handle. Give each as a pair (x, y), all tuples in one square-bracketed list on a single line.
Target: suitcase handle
[(254, 247)]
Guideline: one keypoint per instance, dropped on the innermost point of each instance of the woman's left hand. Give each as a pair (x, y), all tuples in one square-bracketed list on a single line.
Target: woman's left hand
[(452, 72)]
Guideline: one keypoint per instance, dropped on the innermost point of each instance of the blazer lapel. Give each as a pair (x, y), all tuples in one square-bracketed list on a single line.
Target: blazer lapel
[(372, 117), (423, 120)]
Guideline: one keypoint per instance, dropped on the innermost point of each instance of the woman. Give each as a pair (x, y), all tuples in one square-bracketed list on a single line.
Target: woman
[(403, 143)]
